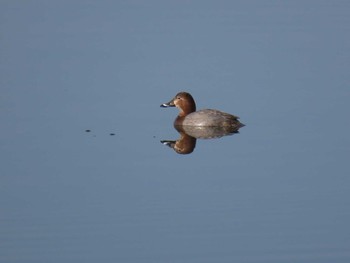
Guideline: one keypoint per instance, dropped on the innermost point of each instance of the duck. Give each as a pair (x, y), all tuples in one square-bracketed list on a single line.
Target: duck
[(188, 116)]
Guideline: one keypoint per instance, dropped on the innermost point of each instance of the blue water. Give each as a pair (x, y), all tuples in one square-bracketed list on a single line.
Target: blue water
[(279, 191)]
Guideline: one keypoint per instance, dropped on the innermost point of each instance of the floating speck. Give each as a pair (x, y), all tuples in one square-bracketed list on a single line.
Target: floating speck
[(112, 134), (87, 130)]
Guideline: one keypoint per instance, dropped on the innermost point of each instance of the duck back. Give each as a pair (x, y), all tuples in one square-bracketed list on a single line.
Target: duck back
[(210, 117)]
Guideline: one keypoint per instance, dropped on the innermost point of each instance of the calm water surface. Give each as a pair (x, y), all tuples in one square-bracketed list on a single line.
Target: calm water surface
[(278, 191)]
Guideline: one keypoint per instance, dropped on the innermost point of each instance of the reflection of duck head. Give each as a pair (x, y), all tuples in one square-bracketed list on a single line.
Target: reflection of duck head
[(188, 116), (184, 145)]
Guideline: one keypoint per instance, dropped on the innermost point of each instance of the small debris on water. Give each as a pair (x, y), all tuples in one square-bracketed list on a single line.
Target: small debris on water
[(87, 130), (112, 134)]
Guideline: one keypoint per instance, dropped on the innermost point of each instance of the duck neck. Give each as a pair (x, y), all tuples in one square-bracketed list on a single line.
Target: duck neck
[(189, 108)]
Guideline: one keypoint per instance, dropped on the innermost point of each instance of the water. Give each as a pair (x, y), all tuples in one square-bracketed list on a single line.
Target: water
[(276, 192)]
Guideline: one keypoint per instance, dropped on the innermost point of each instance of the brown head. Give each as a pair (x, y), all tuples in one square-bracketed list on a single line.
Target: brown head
[(184, 102)]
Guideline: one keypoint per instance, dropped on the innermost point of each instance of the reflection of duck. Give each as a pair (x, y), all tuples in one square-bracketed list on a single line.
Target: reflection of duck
[(188, 115), (184, 145), (189, 135), (202, 132)]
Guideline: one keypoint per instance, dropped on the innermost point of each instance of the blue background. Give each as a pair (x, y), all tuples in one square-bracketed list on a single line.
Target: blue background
[(277, 192)]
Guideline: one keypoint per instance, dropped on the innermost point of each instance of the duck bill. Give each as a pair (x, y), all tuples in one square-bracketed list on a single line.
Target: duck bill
[(168, 143), (168, 104)]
